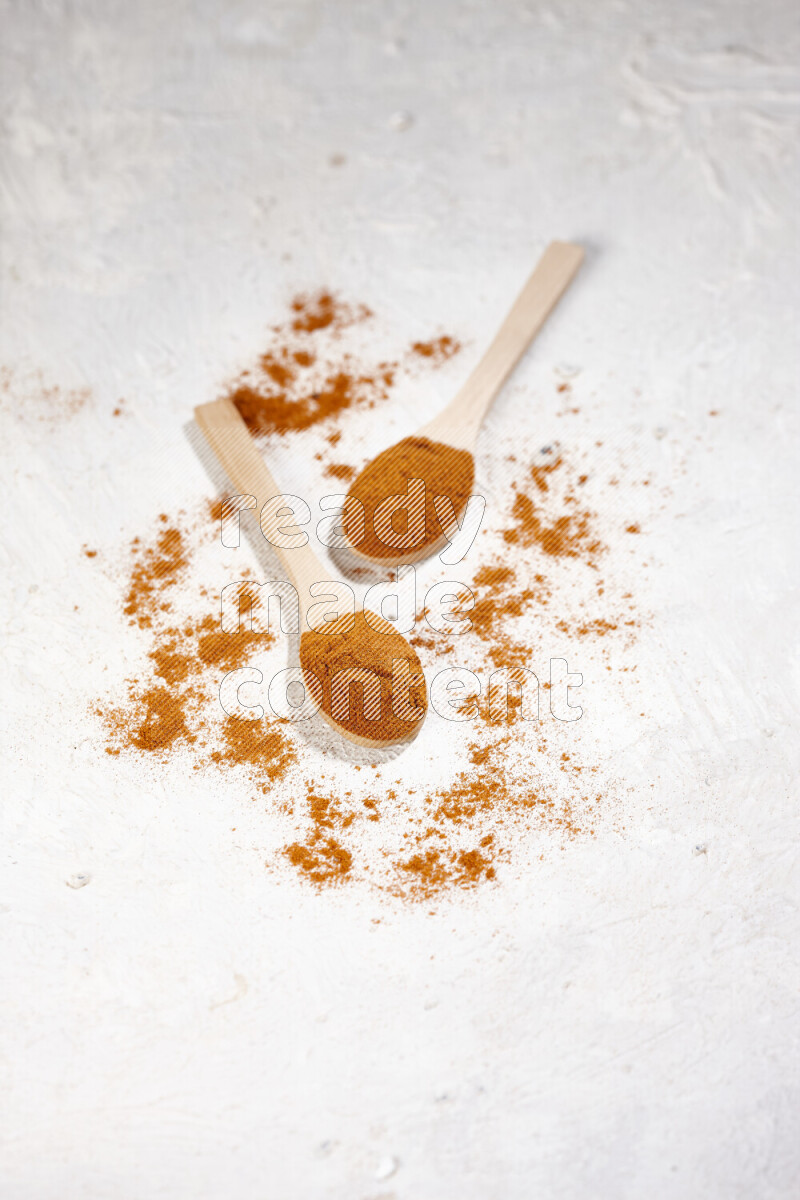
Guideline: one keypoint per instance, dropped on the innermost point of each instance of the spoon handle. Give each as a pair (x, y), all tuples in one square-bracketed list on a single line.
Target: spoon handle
[(229, 438), (463, 416)]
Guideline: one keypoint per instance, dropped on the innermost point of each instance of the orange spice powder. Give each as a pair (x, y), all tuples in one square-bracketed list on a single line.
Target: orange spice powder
[(437, 350), (445, 472), (460, 833), (290, 390), (340, 471), (174, 708), (173, 704), (355, 644)]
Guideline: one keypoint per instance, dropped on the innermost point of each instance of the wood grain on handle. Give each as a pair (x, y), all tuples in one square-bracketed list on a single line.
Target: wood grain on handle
[(551, 276), (229, 438)]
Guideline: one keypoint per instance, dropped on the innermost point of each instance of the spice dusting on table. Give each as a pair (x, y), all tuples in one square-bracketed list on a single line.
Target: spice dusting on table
[(28, 396), (437, 350), (544, 572), (567, 533), (292, 387), (340, 471), (172, 704), (323, 310)]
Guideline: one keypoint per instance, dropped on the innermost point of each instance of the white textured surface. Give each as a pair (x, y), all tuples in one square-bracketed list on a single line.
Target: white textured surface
[(622, 1020)]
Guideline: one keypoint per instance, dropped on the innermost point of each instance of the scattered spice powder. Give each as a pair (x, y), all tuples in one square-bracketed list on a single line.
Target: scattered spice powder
[(499, 601), (321, 858), (437, 350), (487, 792), (516, 777), (599, 627), (225, 651), (288, 407), (162, 723), (176, 704), (552, 521), (29, 397), (541, 471), (340, 471), (289, 391), (568, 536), (322, 310), (257, 744), (155, 570), (302, 378), (324, 861)]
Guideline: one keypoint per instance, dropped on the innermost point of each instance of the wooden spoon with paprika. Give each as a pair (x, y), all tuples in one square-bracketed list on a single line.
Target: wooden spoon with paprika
[(441, 453), (361, 648)]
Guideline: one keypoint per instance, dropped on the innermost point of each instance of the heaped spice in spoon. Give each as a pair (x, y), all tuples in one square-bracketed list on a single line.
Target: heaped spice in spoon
[(371, 679), (444, 470)]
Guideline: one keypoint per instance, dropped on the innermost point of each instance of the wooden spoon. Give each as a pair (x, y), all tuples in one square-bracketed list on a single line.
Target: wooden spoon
[(230, 440), (443, 450)]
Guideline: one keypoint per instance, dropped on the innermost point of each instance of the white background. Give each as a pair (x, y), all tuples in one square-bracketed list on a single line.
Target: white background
[(621, 1019)]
